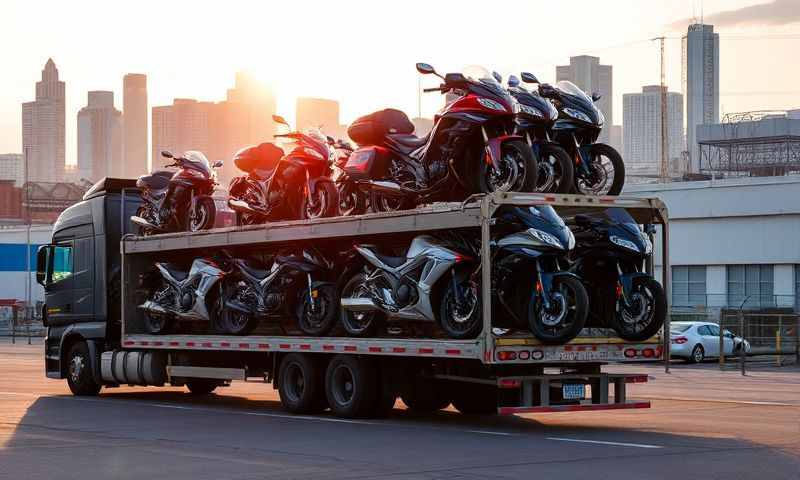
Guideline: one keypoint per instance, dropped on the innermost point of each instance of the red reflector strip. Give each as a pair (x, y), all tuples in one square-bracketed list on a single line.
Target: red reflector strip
[(375, 349), (174, 344), (606, 200), (549, 199), (567, 348), (208, 344), (224, 344), (305, 346), (284, 346), (399, 350), (508, 383), (158, 344), (190, 344), (350, 348), (328, 348), (129, 342), (263, 345), (425, 350), (244, 345), (453, 351), (572, 408)]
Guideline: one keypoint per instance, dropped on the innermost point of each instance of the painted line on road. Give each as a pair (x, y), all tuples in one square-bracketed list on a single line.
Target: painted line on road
[(604, 442)]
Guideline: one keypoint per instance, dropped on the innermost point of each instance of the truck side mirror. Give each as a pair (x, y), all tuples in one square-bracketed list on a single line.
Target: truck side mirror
[(42, 260)]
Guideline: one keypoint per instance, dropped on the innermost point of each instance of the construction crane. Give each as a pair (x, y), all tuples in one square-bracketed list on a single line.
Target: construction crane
[(664, 170)]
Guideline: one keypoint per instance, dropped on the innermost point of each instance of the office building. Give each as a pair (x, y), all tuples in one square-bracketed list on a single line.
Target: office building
[(12, 167), (590, 76), (179, 127), (700, 84), (43, 128), (642, 127), (134, 111), (100, 134)]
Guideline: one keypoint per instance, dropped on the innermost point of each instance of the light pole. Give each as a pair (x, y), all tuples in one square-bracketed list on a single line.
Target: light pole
[(740, 314)]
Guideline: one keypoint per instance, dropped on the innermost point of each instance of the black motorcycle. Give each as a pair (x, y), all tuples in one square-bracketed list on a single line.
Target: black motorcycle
[(599, 169), (531, 285), (294, 284), (535, 119), (351, 200), (609, 258), (471, 148), (178, 201)]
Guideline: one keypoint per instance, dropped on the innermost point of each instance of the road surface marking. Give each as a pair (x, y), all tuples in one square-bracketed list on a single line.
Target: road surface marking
[(602, 442), (487, 432)]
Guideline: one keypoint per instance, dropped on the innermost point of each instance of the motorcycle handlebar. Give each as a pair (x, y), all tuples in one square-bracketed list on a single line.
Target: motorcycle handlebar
[(435, 89)]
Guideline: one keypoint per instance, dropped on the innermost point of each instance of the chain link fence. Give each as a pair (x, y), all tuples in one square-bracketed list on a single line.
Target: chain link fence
[(21, 322)]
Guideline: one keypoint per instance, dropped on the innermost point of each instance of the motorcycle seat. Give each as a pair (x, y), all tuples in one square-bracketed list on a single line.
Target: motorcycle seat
[(158, 180), (177, 273), (407, 143), (393, 262)]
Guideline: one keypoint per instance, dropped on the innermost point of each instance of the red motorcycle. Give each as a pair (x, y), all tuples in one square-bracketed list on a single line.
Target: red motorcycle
[(178, 201), (284, 186), (471, 148)]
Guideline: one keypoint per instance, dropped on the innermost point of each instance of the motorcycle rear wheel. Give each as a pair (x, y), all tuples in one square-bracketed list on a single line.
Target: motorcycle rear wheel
[(351, 200), (388, 203)]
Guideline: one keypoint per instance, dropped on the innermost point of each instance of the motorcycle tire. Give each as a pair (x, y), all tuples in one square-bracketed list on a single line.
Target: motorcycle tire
[(233, 321), (553, 158), (326, 204), (351, 200), (317, 323), (523, 157), (203, 216), (654, 321), (379, 202), (596, 151), (458, 325), (358, 324), (572, 294)]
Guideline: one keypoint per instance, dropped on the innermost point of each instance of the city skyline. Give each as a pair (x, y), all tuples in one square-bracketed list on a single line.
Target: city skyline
[(201, 69)]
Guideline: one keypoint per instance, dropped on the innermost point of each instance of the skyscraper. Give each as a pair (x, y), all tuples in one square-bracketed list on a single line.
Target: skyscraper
[(134, 111), (642, 127), (317, 113), (700, 84), (43, 128), (100, 152), (586, 72), (12, 167), (182, 126)]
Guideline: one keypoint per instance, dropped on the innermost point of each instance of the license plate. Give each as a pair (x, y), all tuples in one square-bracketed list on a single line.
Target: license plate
[(573, 391)]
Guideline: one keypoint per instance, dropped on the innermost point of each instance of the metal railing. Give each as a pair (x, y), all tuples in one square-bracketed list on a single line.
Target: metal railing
[(21, 322)]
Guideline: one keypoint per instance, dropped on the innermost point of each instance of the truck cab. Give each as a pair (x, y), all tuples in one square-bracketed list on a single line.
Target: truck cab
[(80, 272)]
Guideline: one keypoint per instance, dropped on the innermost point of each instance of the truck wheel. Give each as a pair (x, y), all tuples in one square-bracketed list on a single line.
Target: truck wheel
[(425, 395), (80, 377), (350, 385), (471, 399), (300, 384), (201, 386)]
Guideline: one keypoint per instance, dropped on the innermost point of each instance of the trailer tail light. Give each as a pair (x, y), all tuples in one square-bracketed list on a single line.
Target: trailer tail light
[(630, 352), (680, 340), (648, 353), (506, 355), (509, 383)]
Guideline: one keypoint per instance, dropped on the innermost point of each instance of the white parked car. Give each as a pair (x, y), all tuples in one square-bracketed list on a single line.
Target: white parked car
[(696, 341)]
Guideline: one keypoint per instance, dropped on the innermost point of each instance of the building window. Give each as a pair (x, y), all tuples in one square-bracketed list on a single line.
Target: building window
[(752, 282), (797, 288), (689, 285)]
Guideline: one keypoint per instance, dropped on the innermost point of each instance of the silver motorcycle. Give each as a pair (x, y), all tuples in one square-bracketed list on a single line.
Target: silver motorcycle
[(433, 282), (176, 295)]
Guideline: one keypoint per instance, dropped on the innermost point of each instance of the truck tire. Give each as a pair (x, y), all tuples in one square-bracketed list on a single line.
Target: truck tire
[(386, 395), (201, 386), (425, 395), (80, 377), (473, 399), (350, 385), (300, 384)]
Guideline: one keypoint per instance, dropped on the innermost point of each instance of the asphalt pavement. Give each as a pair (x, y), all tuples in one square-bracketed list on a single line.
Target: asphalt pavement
[(704, 424)]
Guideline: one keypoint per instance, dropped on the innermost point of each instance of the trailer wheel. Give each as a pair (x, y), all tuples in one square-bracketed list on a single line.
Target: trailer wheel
[(350, 385), (425, 395), (201, 386), (300, 384), (80, 377), (471, 399)]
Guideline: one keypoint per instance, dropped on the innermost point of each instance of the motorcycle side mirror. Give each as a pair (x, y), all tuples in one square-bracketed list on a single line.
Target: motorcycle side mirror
[(425, 69), (596, 96), (279, 119), (497, 77), (529, 77), (165, 153), (513, 81), (454, 78), (217, 164)]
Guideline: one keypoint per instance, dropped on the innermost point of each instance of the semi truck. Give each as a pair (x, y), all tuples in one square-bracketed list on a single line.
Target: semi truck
[(92, 269)]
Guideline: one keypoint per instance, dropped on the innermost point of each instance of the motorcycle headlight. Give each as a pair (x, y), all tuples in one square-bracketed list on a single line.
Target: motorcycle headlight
[(532, 111), (546, 238), (489, 103), (624, 243), (577, 115)]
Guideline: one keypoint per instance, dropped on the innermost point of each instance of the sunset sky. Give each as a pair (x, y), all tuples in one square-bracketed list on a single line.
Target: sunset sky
[(363, 53)]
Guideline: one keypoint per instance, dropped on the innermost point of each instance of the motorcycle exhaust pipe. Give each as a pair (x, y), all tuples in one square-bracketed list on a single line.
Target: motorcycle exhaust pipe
[(389, 188), (359, 304), (144, 223), (153, 307)]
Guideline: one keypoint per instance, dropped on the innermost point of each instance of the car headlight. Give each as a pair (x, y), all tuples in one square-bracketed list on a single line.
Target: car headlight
[(578, 115), (545, 237), (489, 103), (624, 243), (532, 111)]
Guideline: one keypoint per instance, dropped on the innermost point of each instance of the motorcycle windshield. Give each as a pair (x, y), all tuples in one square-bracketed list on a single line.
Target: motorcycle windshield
[(483, 80), (543, 217), (542, 106), (619, 217), (198, 161), (573, 97)]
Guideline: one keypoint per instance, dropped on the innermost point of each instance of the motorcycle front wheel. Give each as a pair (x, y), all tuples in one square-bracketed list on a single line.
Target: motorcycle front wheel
[(388, 203), (645, 313), (201, 217), (565, 316), (556, 172), (607, 172), (324, 203), (316, 310), (460, 310), (516, 170), (146, 212), (156, 324)]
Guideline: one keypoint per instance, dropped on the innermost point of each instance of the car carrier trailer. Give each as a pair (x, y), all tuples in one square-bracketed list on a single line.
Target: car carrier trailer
[(496, 372)]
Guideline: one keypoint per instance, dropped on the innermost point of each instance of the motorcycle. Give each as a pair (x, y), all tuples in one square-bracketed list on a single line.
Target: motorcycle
[(432, 283), (179, 201), (297, 284), (351, 200), (535, 119), (610, 257), (599, 169), (531, 282), (177, 295), (290, 187), (471, 148)]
